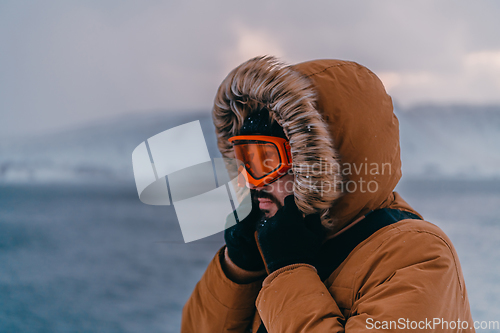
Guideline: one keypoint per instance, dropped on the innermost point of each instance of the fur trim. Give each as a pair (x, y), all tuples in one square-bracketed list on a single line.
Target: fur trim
[(291, 99)]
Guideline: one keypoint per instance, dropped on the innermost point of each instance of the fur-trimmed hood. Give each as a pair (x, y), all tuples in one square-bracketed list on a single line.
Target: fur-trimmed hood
[(343, 134)]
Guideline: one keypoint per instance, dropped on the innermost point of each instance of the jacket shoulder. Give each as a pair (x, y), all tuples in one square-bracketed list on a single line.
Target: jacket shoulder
[(402, 248), (409, 242), (410, 256), (404, 236), (397, 237)]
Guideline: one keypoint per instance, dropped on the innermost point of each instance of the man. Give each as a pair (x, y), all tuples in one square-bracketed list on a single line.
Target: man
[(338, 251)]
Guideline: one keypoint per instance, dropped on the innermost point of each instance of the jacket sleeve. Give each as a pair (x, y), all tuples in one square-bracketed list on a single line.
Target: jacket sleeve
[(413, 275), (294, 299), (218, 304)]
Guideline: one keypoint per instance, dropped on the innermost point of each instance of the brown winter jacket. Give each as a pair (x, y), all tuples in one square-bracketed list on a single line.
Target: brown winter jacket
[(338, 117)]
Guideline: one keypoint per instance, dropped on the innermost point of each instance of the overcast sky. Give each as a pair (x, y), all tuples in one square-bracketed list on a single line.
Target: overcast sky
[(68, 62)]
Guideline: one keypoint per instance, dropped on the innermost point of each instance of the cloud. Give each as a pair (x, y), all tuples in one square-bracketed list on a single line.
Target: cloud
[(476, 81), (251, 43), (485, 59), (63, 63)]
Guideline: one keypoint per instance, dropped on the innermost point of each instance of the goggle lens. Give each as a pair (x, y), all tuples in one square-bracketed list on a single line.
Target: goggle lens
[(259, 158)]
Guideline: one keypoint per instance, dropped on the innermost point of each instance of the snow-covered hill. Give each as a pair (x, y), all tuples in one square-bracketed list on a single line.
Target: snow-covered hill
[(437, 142), (450, 142), (95, 153)]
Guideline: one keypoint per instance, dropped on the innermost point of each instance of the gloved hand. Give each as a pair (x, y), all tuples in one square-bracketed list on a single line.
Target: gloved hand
[(288, 238), (240, 241)]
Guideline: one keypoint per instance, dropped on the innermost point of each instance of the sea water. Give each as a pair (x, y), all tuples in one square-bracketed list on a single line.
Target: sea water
[(77, 258)]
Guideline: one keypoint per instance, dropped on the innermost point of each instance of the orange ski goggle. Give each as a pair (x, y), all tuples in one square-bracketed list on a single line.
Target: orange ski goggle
[(264, 158)]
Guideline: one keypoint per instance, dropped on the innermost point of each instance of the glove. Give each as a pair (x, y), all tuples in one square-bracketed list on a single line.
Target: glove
[(241, 245), (288, 238)]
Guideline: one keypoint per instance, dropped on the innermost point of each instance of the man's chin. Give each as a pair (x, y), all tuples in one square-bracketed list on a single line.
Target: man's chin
[(269, 212)]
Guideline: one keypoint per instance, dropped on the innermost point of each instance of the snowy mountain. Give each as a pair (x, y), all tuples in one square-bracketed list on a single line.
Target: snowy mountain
[(93, 153), (452, 142), (459, 142)]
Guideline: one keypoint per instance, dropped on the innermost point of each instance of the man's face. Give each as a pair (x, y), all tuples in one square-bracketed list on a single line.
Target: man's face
[(271, 197)]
